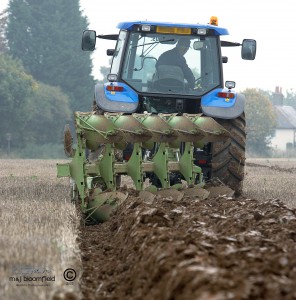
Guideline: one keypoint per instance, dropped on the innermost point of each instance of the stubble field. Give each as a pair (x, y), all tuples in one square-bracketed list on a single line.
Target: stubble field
[(220, 247)]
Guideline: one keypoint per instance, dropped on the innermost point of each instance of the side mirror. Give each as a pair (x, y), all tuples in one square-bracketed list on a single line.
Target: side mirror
[(198, 45), (110, 52), (88, 42), (249, 49)]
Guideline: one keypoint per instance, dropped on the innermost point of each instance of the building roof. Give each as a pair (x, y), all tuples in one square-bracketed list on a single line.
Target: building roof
[(286, 117)]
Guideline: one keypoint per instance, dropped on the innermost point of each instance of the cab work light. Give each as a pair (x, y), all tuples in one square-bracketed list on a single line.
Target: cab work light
[(146, 27), (112, 77), (175, 30), (201, 31)]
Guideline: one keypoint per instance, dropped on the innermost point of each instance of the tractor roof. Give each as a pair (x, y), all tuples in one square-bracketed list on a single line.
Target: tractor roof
[(217, 30)]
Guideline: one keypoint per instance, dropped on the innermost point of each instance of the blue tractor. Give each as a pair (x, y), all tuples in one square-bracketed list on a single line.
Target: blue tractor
[(137, 83), (163, 116)]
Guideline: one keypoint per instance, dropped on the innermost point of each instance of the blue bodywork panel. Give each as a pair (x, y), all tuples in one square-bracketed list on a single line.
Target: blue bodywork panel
[(116, 101), (225, 108), (212, 99), (127, 95), (218, 30)]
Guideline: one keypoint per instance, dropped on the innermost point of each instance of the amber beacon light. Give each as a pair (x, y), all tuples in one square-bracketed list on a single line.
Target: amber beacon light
[(214, 21)]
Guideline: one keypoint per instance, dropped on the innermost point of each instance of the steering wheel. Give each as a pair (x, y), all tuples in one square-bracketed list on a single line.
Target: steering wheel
[(197, 83), (198, 80)]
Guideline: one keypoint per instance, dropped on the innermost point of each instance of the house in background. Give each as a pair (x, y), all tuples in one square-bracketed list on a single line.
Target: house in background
[(285, 133)]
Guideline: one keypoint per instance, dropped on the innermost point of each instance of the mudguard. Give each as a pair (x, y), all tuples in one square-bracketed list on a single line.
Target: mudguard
[(224, 108), (116, 101)]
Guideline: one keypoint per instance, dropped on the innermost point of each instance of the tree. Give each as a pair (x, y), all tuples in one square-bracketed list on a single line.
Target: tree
[(3, 23), (16, 89), (260, 121), (46, 36), (50, 112), (104, 71), (290, 99)]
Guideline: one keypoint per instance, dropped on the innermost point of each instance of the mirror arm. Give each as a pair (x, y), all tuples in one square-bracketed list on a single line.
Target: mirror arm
[(113, 37), (229, 44)]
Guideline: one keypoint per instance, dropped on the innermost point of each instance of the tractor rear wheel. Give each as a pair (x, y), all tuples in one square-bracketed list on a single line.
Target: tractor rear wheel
[(228, 157)]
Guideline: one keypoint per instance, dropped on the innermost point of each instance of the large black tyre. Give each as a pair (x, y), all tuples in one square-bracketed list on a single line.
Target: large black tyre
[(228, 157)]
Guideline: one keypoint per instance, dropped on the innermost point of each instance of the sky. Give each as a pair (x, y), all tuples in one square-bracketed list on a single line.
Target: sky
[(270, 23)]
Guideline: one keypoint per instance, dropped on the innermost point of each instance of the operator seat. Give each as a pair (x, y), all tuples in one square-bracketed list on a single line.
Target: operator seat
[(168, 78)]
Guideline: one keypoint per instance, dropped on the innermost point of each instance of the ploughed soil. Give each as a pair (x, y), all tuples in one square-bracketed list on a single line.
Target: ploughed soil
[(179, 245)]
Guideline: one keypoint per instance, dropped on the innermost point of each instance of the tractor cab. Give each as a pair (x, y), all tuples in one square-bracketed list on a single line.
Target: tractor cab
[(140, 52), (145, 66), (164, 116)]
